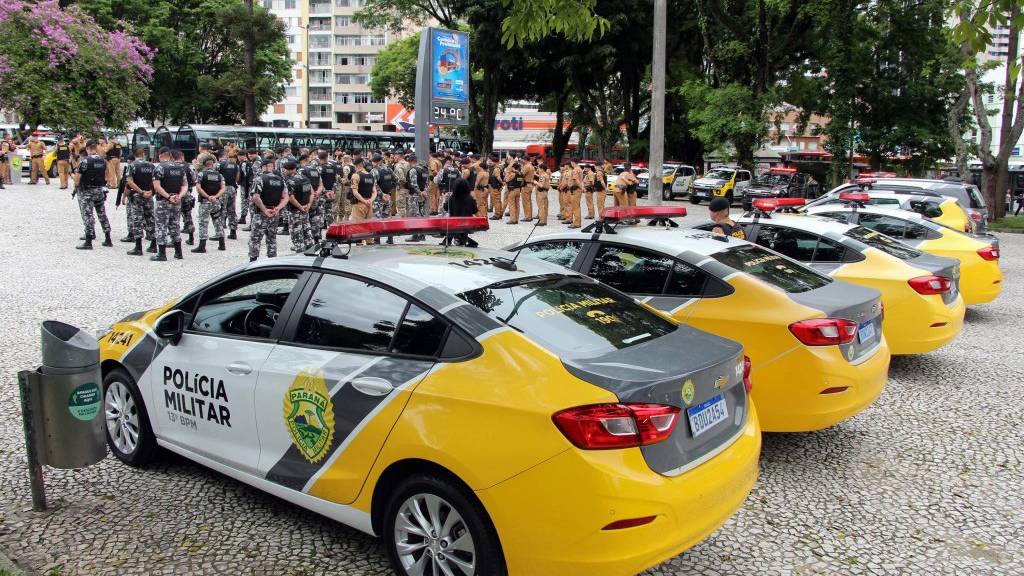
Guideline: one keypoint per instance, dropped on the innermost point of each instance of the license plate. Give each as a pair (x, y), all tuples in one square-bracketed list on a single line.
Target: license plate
[(703, 193), (706, 414), (866, 332)]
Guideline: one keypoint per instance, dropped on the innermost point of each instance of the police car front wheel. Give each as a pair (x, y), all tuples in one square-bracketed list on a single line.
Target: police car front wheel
[(434, 526), (129, 434)]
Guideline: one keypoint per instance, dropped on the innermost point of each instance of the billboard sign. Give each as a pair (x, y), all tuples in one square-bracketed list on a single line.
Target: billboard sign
[(449, 57)]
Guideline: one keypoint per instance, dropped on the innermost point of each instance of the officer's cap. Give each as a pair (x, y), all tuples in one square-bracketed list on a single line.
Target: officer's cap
[(289, 165), (410, 157), (718, 204)]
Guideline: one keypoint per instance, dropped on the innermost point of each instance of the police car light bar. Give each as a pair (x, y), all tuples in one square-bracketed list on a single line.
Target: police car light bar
[(624, 213), (772, 204), (853, 197), (348, 231), (781, 170)]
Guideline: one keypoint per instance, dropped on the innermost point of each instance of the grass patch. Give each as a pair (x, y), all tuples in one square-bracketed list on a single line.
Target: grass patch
[(1008, 223)]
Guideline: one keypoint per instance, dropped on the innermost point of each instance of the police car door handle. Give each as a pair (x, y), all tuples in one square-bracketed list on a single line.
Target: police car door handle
[(239, 368), (373, 386)]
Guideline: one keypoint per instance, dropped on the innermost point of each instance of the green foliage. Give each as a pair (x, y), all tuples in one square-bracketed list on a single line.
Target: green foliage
[(59, 68), (717, 128), (532, 20), (199, 67), (394, 72)]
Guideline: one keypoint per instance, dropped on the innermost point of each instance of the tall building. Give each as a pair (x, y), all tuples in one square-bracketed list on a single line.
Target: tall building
[(331, 62)]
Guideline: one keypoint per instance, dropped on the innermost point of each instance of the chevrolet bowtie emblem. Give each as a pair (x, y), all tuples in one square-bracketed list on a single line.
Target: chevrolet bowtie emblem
[(720, 382)]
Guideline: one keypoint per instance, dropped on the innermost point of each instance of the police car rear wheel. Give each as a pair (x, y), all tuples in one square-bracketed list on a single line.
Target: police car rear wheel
[(434, 527), (129, 434), (694, 199)]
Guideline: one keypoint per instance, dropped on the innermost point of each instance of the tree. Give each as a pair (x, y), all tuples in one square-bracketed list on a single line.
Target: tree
[(974, 37), (394, 72), (201, 71), (59, 68)]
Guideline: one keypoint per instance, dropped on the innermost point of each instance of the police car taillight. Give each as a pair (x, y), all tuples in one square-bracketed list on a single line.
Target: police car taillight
[(348, 231), (629, 212), (929, 285), (772, 204), (976, 216), (989, 253), (824, 331), (854, 197), (746, 374), (611, 426)]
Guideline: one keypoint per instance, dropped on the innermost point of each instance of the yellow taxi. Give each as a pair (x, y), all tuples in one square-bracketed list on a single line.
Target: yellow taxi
[(981, 280), (923, 306), (816, 344), (483, 414)]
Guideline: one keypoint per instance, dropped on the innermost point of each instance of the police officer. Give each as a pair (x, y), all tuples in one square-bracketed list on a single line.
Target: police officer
[(434, 165), (526, 194), (211, 188), (113, 164), (515, 181), (36, 150), (89, 182), (343, 203), (403, 195), (362, 192), (170, 181), (139, 184), (187, 200), (231, 171), (600, 190), (589, 187), (572, 177), (416, 187), (269, 197), (249, 170), (63, 162), (477, 178), (324, 208), (542, 183), (300, 201), (445, 180), (311, 171), (386, 182), (625, 186), (719, 210)]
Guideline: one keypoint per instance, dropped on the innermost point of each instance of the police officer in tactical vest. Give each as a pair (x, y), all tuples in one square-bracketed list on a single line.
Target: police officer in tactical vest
[(170, 182), (311, 171), (418, 201), (139, 182), (63, 162), (211, 189), (230, 169), (324, 208), (89, 182), (719, 210), (300, 201), (269, 196)]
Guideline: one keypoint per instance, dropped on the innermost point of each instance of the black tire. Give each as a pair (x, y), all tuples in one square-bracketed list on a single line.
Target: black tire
[(146, 449), (666, 192), (694, 199), (488, 557), (728, 196)]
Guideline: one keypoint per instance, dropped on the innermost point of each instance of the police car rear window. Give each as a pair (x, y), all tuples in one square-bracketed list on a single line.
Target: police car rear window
[(571, 316), (772, 268), (886, 244)]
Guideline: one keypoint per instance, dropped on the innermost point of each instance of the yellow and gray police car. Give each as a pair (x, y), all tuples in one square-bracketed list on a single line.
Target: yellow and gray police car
[(923, 307), (816, 346), (981, 280), (931, 205), (484, 415)]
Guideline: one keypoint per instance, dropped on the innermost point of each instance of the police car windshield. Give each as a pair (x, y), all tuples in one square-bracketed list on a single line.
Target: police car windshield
[(719, 174), (773, 179), (882, 242), (772, 268), (573, 317)]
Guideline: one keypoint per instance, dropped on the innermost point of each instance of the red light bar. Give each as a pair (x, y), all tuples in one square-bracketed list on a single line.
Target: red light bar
[(625, 213), (781, 170), (863, 180), (854, 197), (772, 204), (400, 226)]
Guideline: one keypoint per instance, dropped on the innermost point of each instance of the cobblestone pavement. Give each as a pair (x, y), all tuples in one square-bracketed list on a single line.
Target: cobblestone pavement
[(930, 480)]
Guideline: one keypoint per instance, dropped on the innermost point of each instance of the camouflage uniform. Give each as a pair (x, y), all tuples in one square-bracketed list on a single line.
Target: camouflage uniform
[(342, 205), (381, 206), (418, 205), (329, 172), (263, 226), (229, 213), (92, 198), (298, 220), (402, 193), (188, 202), (140, 209), (210, 209), (168, 214)]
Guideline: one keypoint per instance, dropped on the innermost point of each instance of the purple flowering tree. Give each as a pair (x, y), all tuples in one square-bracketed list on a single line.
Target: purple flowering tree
[(60, 69)]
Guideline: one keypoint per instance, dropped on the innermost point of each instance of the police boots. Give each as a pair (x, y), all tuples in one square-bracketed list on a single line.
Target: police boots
[(152, 246), (161, 254), (106, 240), (201, 249), (242, 219), (128, 238), (138, 248), (220, 243), (232, 235), (86, 244), (191, 238), (177, 250)]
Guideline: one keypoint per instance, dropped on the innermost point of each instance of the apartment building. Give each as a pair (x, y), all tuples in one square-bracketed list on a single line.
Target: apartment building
[(331, 62)]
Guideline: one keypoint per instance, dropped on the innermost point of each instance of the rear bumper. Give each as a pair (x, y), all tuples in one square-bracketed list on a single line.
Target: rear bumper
[(788, 390), (981, 281), (550, 517), (921, 324)]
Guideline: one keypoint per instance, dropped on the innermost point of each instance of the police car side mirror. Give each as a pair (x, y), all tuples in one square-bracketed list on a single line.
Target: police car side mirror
[(170, 326)]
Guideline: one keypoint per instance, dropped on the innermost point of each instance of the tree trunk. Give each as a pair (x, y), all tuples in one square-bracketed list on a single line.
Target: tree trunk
[(953, 117), (491, 98), (249, 69)]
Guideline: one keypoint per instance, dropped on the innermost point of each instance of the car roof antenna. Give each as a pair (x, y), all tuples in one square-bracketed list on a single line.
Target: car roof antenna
[(510, 265)]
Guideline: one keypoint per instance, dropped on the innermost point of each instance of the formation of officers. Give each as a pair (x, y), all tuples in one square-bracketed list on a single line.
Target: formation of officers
[(300, 193)]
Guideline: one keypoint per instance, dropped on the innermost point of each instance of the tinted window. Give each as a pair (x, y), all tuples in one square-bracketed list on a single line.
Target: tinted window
[(882, 242), (796, 244), (563, 253), (631, 270), (894, 227), (257, 297), (349, 313), (686, 280), (840, 216), (772, 268), (829, 251), (420, 333), (571, 316)]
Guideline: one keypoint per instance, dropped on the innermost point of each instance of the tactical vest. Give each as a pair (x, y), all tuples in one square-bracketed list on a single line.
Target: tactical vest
[(365, 186), (731, 230), (142, 174), (209, 181), (63, 152), (95, 173), (329, 175), (313, 175), (386, 180), (493, 181), (517, 180), (229, 170), (300, 188), (172, 175), (271, 189), (421, 178)]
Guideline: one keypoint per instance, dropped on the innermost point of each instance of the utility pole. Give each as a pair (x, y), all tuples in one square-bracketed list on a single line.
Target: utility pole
[(657, 145)]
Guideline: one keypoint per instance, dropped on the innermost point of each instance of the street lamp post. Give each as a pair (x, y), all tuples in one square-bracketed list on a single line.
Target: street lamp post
[(657, 144)]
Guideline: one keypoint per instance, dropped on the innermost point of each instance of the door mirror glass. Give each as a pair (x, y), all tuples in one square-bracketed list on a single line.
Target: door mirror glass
[(170, 326)]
